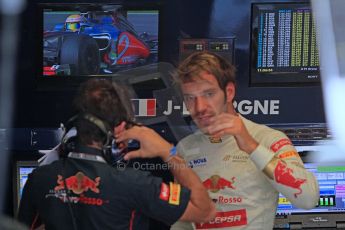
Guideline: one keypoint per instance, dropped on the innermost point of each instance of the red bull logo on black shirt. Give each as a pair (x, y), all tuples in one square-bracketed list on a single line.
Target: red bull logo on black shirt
[(78, 184)]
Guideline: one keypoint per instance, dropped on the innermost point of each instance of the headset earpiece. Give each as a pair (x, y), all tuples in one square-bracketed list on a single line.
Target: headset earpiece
[(110, 151), (68, 143)]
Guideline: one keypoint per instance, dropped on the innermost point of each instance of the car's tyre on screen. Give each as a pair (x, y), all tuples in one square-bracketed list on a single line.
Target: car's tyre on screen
[(81, 52)]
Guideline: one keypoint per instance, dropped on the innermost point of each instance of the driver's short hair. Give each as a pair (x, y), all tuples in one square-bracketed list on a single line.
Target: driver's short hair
[(189, 69)]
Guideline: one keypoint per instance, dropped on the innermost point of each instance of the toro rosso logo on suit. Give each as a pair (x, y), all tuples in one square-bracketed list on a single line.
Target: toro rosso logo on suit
[(78, 184)]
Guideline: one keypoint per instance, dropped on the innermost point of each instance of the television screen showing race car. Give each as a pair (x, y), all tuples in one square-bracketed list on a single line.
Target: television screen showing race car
[(97, 39)]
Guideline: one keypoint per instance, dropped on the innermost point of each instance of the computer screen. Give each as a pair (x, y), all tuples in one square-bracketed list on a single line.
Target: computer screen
[(22, 170), (283, 45), (331, 180), (97, 38), (329, 211)]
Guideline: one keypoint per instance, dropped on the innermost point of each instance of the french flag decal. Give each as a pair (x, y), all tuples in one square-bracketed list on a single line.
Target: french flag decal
[(144, 107)]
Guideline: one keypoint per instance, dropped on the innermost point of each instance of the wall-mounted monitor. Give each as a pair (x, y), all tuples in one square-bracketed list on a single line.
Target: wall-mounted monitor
[(283, 45), (95, 39)]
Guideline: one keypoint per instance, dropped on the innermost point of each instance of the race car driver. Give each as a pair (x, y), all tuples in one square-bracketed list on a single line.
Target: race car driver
[(72, 22), (243, 165)]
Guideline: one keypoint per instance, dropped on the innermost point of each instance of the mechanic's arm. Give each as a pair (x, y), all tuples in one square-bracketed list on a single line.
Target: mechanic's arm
[(284, 168), (200, 207)]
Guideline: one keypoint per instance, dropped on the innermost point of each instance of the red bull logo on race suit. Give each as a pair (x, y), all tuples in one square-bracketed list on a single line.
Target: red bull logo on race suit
[(284, 175), (216, 183)]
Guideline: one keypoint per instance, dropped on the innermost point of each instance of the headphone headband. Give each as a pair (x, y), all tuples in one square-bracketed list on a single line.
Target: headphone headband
[(96, 121), (111, 153)]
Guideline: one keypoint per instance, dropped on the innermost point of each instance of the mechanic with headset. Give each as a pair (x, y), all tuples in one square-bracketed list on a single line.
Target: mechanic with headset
[(84, 190)]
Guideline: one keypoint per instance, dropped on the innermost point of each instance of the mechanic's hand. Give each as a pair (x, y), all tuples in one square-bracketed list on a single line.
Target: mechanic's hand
[(151, 143), (229, 124), (119, 129)]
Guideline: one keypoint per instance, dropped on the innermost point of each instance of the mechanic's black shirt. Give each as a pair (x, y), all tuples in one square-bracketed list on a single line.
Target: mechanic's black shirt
[(102, 197)]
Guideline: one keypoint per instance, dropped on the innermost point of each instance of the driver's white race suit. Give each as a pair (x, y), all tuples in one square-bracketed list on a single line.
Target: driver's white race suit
[(239, 183)]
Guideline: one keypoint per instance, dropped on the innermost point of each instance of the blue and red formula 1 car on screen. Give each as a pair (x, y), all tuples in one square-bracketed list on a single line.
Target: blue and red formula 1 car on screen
[(97, 42)]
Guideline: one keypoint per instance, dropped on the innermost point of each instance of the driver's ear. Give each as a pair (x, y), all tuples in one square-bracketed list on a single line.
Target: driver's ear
[(230, 92), (120, 128)]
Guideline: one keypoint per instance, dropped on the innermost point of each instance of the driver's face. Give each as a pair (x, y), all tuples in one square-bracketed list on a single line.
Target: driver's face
[(204, 99)]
